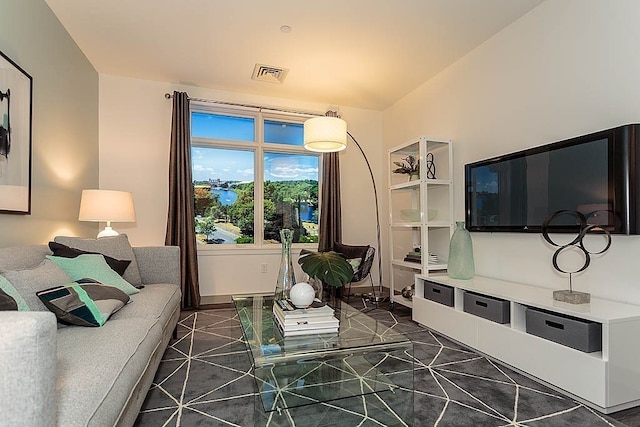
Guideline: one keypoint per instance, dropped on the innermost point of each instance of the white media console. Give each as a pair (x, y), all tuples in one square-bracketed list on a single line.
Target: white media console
[(607, 380)]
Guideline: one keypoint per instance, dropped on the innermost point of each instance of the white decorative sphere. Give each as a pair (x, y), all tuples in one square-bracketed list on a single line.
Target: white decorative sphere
[(302, 295)]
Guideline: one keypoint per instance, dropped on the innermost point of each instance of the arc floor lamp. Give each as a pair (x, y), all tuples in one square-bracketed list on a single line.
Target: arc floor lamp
[(328, 134)]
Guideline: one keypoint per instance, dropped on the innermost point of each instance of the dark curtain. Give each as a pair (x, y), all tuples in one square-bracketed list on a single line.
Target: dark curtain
[(330, 230), (180, 218)]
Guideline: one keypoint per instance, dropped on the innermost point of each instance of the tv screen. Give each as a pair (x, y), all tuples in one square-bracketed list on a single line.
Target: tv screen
[(589, 174)]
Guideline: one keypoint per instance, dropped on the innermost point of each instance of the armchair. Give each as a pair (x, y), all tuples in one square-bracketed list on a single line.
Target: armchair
[(361, 259)]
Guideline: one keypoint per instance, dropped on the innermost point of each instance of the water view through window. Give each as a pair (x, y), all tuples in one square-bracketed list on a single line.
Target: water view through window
[(226, 195)]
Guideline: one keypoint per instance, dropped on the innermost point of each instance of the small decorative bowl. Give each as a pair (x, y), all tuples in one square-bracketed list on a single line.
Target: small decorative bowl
[(412, 215), (431, 214)]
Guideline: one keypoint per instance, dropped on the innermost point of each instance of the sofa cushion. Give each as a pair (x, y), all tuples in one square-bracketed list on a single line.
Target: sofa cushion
[(153, 302), (21, 257), (98, 376), (64, 251), (29, 281), (95, 267), (27, 364), (11, 291), (84, 302), (116, 247)]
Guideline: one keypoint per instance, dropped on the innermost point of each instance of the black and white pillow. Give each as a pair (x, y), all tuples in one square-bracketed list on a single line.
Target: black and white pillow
[(64, 251), (84, 302), (7, 303)]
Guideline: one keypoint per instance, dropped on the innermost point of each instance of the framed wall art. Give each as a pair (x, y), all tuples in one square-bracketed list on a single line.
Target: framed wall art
[(16, 88)]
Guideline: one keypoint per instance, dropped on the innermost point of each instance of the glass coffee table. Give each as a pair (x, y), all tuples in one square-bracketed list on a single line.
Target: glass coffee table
[(364, 358)]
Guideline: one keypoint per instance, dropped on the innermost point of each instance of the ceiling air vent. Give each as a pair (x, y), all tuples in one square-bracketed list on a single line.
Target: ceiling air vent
[(267, 73)]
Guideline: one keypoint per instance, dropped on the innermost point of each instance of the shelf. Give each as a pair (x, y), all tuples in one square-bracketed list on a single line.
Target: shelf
[(435, 267), (399, 299), (411, 185), (437, 182), (407, 264), (438, 224), (420, 211), (598, 310)]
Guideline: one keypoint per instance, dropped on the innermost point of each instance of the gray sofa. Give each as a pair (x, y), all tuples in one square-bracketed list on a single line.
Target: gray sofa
[(60, 375)]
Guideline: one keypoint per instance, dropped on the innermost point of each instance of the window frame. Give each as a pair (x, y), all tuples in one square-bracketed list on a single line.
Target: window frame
[(259, 147)]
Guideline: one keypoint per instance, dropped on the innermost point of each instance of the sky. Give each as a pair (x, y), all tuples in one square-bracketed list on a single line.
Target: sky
[(237, 165)]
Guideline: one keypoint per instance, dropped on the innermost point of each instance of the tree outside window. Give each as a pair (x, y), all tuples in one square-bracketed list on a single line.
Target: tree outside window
[(227, 154)]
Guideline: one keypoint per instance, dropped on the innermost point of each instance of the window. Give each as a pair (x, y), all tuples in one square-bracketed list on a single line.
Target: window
[(252, 177)]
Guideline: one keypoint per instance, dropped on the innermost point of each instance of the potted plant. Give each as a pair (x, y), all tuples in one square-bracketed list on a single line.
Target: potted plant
[(408, 166), (329, 267)]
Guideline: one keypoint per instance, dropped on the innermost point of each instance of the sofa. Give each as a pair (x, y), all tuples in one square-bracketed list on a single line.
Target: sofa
[(56, 374)]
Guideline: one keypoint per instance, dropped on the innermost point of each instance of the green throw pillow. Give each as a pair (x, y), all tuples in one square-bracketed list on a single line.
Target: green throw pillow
[(11, 291), (355, 263), (84, 303), (95, 267)]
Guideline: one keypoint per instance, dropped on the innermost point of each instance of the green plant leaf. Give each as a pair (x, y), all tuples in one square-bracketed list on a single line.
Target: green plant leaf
[(330, 267)]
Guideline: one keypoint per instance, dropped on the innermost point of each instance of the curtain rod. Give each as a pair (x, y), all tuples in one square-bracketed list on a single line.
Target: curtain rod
[(257, 107)]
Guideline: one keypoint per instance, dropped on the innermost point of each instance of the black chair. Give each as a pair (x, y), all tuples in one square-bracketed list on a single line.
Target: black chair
[(353, 254)]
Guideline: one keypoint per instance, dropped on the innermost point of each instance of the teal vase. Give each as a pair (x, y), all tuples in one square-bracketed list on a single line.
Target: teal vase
[(460, 263)]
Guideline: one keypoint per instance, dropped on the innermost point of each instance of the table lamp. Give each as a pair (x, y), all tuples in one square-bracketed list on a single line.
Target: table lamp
[(107, 206)]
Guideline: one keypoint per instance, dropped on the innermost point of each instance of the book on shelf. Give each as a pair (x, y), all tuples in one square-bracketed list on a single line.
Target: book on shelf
[(412, 259)]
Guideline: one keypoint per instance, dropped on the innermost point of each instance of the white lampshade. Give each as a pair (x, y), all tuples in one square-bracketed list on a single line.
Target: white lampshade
[(107, 206), (325, 134)]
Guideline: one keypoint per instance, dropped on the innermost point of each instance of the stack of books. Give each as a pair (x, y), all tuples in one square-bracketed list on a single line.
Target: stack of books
[(413, 256), (317, 319)]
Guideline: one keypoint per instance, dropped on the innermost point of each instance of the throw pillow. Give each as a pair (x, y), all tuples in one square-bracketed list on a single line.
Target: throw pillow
[(84, 303), (351, 251), (355, 263), (95, 267), (58, 249), (7, 303), (29, 281), (116, 246), (8, 289)]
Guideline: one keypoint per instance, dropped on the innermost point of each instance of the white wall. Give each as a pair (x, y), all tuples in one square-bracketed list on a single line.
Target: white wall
[(64, 123), (135, 123), (568, 68)]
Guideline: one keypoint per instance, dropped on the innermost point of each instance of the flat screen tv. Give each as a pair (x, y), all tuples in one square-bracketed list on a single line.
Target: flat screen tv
[(594, 174)]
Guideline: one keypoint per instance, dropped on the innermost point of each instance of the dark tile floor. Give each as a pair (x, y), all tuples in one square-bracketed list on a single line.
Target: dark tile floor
[(205, 379)]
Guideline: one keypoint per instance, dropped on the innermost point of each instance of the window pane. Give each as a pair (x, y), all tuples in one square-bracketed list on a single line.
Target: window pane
[(291, 196), (224, 194), (283, 133), (207, 125)]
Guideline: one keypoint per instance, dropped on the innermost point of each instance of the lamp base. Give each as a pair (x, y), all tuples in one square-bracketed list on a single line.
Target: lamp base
[(108, 232), (375, 298)]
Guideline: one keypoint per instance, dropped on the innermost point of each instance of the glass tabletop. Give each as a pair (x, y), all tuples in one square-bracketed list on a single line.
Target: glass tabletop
[(268, 345)]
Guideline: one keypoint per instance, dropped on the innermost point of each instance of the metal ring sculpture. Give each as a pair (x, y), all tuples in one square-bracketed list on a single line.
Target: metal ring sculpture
[(431, 167), (578, 242)]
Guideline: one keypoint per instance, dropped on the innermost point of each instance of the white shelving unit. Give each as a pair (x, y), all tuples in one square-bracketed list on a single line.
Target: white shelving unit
[(420, 213), (607, 380)]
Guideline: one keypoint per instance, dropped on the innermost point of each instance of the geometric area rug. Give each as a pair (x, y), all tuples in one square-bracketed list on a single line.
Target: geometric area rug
[(205, 379)]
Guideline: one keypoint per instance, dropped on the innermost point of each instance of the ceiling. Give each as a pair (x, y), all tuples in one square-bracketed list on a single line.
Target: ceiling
[(358, 53)]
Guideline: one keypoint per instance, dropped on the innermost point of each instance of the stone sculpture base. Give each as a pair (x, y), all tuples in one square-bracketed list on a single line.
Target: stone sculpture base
[(572, 297)]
